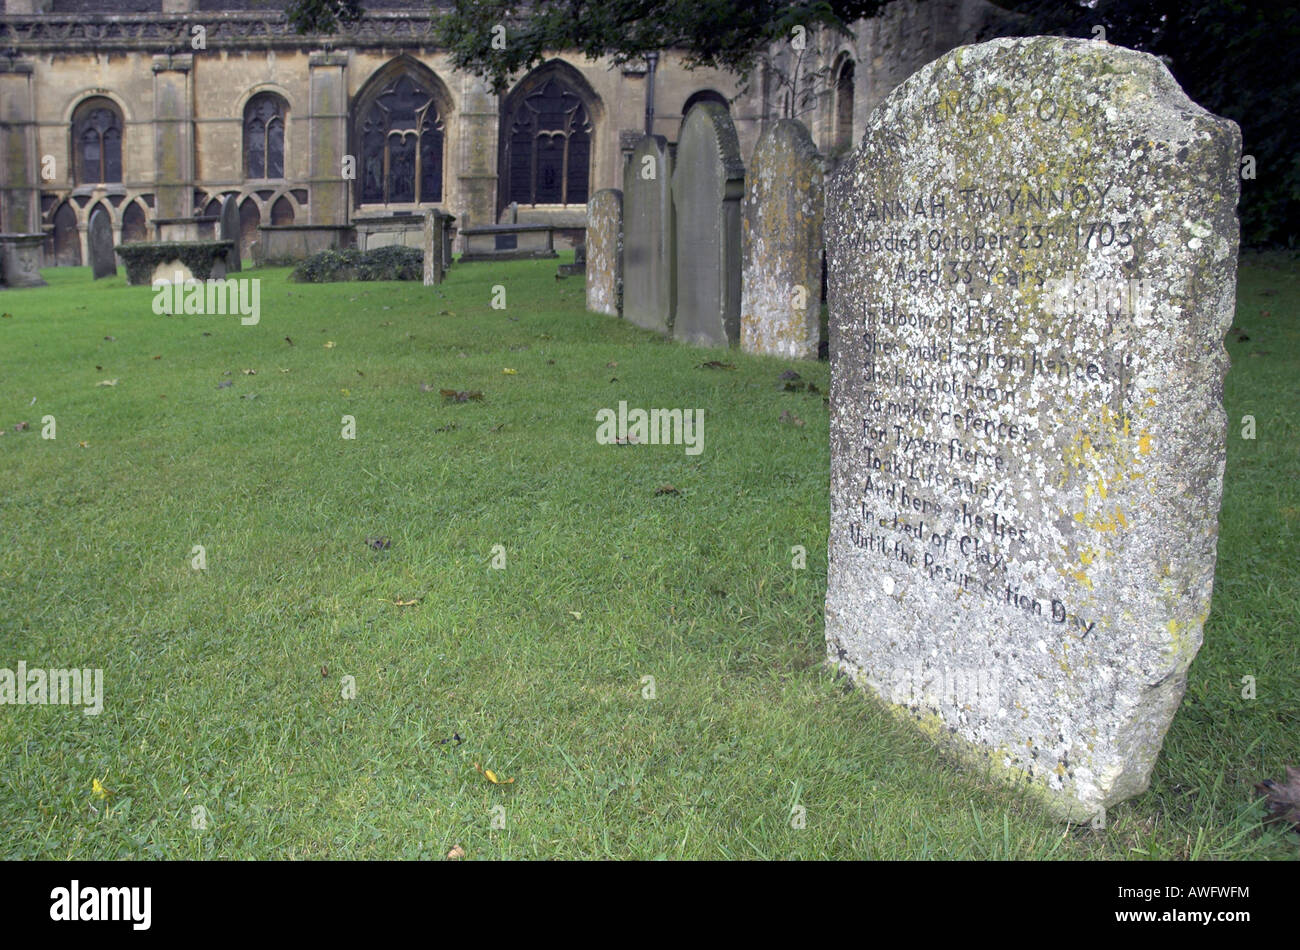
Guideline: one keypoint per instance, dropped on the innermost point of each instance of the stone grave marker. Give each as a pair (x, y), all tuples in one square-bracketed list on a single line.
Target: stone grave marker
[(1032, 265), (605, 251), (230, 231), (99, 240), (434, 235), (781, 296), (649, 265), (708, 183)]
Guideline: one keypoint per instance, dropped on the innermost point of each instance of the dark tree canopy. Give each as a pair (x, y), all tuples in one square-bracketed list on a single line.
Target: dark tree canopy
[(1236, 58)]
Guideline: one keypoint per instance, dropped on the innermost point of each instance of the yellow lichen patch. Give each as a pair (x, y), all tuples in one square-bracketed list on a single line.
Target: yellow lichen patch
[(1144, 442)]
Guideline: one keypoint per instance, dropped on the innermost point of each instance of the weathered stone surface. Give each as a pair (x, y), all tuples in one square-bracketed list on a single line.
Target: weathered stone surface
[(649, 265), (434, 235), (20, 260), (1025, 475), (230, 231), (99, 240), (605, 252), (708, 183), (781, 297)]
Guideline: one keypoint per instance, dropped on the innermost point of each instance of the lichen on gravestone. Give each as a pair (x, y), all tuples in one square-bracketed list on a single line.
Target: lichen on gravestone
[(1032, 262)]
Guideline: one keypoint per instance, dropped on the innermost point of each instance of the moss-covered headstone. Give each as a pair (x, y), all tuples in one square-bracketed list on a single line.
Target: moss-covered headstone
[(1032, 265)]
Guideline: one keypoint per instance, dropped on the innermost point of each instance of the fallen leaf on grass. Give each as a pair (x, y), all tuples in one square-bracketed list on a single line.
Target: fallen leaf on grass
[(611, 364), (406, 603), (456, 853), (158, 357), (1283, 802), (715, 364), (329, 344), (461, 395), (21, 427), (97, 788), (224, 384), (666, 490), (248, 396), (454, 737), (492, 776), (507, 371), (576, 614), (346, 392), (379, 544), (107, 382), (6, 316), (84, 445), (324, 671), (791, 418), (250, 372), (111, 339), (449, 427), (628, 440), (289, 341)]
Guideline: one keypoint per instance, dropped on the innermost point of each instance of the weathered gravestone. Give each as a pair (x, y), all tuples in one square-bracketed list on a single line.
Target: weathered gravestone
[(1032, 264), (605, 251), (434, 235), (649, 266), (781, 298), (230, 231), (708, 183), (99, 241)]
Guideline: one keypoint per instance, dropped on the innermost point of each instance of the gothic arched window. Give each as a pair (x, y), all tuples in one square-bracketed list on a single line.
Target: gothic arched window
[(97, 141), (401, 145), (264, 136), (549, 147)]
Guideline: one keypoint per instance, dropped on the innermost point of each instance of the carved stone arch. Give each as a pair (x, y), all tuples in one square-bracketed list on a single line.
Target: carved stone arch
[(66, 235), (283, 210), (548, 138), (135, 222), (399, 122), (250, 219)]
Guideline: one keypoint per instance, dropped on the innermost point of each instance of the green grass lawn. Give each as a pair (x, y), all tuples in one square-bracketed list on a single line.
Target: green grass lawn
[(223, 688)]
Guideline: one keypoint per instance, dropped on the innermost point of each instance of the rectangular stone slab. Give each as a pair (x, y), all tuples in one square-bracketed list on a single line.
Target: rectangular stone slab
[(1031, 267), (99, 241), (649, 262), (605, 252)]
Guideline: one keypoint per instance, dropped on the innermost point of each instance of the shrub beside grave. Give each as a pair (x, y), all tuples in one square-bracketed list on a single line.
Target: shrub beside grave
[(142, 258), (382, 263)]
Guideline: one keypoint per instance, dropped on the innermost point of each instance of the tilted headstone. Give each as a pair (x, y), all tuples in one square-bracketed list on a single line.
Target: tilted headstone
[(99, 240), (605, 251), (1032, 267), (448, 235), (434, 235), (708, 183), (649, 265), (781, 297), (230, 231)]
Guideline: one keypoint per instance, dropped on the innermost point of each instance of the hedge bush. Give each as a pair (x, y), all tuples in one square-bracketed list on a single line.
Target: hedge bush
[(141, 258), (383, 263)]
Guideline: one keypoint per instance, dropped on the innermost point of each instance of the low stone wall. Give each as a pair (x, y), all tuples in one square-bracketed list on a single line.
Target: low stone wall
[(283, 243)]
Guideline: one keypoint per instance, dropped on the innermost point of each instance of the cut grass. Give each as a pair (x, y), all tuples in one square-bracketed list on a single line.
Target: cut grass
[(223, 688)]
